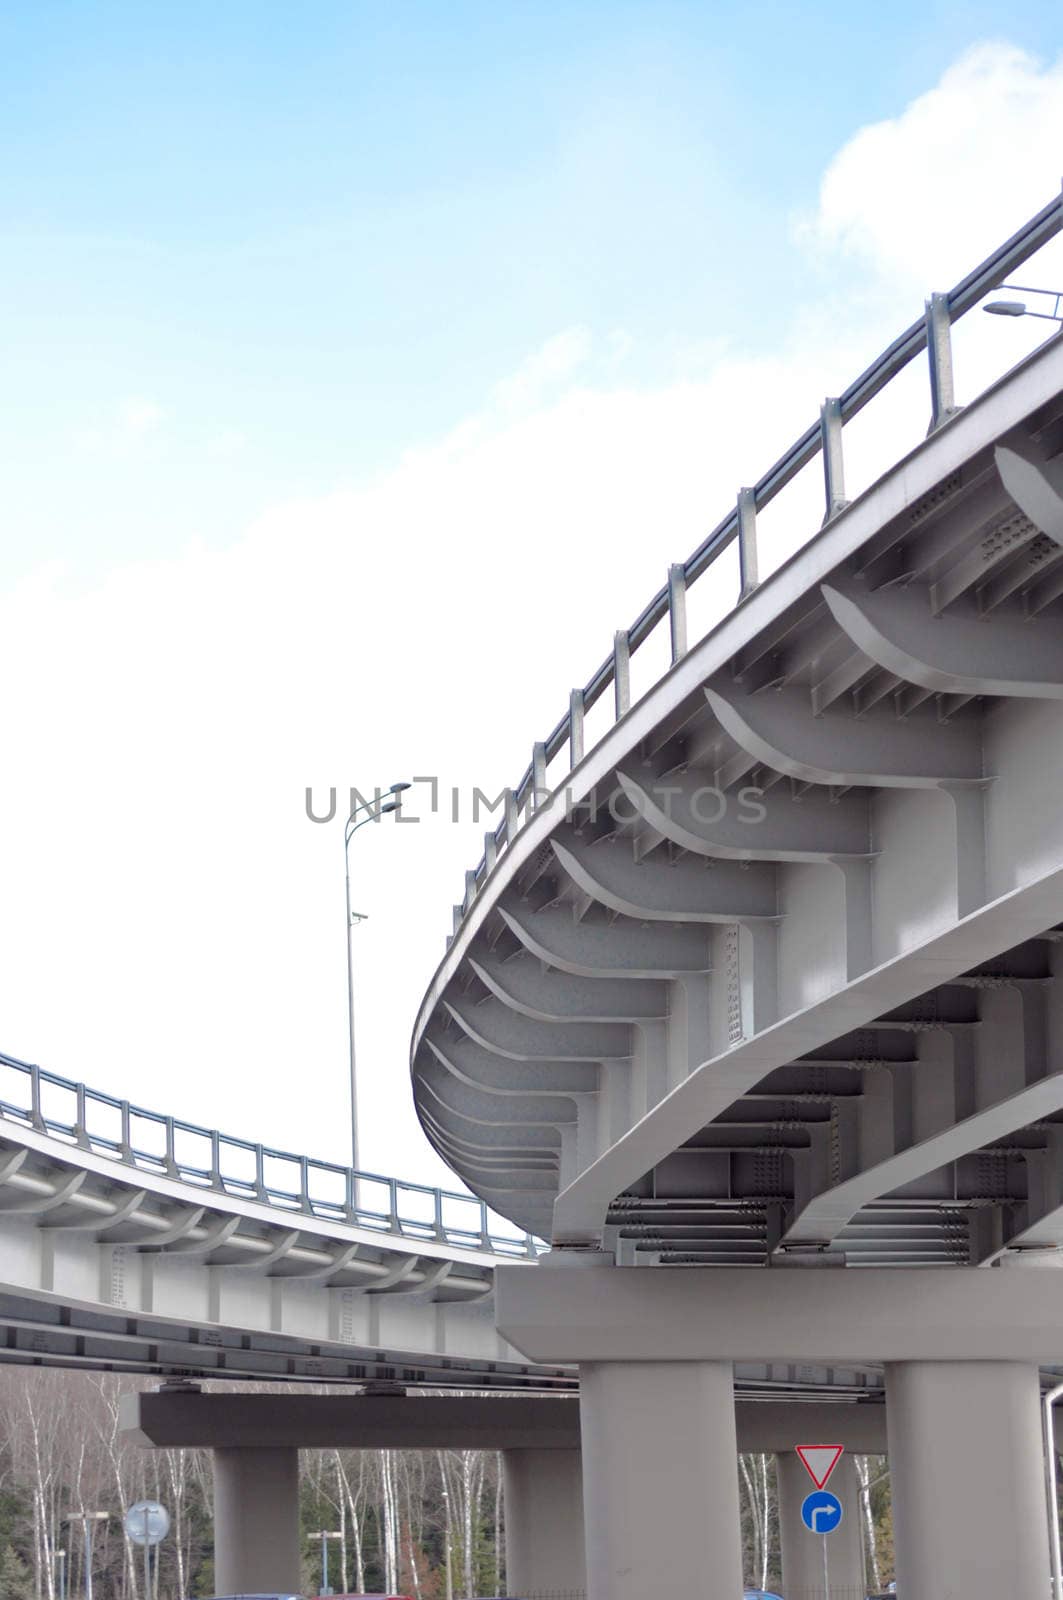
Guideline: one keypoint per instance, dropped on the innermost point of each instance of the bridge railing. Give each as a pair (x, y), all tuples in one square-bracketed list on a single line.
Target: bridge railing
[(221, 1164), (565, 744)]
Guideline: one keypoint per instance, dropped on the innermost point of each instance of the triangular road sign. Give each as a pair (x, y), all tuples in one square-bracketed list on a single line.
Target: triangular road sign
[(820, 1461)]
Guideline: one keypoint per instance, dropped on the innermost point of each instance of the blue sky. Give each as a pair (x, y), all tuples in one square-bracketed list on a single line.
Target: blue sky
[(363, 369), (315, 235)]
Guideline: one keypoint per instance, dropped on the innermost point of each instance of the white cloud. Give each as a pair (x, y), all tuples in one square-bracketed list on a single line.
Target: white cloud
[(541, 373), (929, 192), (123, 430), (138, 416), (171, 919), (225, 443)]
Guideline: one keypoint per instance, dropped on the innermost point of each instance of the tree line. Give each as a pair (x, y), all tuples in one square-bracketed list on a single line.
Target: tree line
[(430, 1524)]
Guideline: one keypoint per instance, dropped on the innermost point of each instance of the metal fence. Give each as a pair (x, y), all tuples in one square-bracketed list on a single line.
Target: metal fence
[(554, 1594), (150, 1142), (838, 1591), (932, 333)]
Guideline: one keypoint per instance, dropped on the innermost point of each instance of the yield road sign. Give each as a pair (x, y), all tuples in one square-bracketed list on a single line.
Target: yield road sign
[(821, 1512), (819, 1461)]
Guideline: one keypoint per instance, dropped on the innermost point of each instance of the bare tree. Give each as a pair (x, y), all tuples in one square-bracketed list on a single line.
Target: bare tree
[(448, 1527), (870, 1470)]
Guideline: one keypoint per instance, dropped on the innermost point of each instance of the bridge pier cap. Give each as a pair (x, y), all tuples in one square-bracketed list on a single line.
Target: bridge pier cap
[(606, 1313), (515, 1424)]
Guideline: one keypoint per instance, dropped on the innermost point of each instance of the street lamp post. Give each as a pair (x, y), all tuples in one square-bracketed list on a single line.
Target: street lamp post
[(325, 1537), (368, 811), (87, 1520), (59, 1559), (1019, 308)]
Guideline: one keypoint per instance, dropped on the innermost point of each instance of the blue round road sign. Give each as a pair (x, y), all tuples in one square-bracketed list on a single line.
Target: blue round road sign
[(821, 1512)]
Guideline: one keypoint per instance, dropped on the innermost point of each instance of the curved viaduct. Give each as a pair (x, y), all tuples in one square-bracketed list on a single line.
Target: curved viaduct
[(133, 1242), (232, 1260), (753, 1011), (754, 1007)]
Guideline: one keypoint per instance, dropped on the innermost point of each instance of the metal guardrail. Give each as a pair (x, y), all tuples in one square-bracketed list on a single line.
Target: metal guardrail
[(219, 1163), (931, 333)]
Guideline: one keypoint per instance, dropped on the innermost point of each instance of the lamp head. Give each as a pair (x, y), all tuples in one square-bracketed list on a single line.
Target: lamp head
[(1006, 308)]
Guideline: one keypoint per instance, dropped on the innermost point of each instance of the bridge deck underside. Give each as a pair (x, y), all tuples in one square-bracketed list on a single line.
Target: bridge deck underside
[(661, 1022), (100, 1272), (105, 1266)]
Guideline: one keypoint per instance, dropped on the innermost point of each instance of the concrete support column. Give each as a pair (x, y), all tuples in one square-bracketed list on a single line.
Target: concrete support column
[(544, 1522), (256, 1521), (660, 1479), (966, 1471), (802, 1552)]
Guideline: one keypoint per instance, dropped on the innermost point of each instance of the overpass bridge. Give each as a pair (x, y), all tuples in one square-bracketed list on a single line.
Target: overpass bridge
[(134, 1242), (753, 1005), (751, 1012)]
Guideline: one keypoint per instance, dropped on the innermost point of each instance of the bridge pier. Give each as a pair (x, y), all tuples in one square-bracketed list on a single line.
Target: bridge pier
[(544, 1521), (660, 1479), (961, 1349), (802, 1552), (966, 1471), (256, 1439), (256, 1520)]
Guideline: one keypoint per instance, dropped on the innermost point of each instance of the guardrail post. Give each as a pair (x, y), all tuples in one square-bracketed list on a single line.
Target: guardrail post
[(575, 727), (512, 815), (485, 1235), (677, 609), (939, 350), (260, 1172), (127, 1140), (621, 672), (440, 1234), (304, 1183), (171, 1148), (830, 422), (215, 1159), (538, 788), (747, 543), (36, 1118), (81, 1126), (393, 1204)]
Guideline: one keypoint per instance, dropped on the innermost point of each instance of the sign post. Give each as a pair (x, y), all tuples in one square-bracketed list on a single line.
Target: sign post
[(325, 1536), (821, 1512), (87, 1520), (826, 1570), (147, 1523)]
